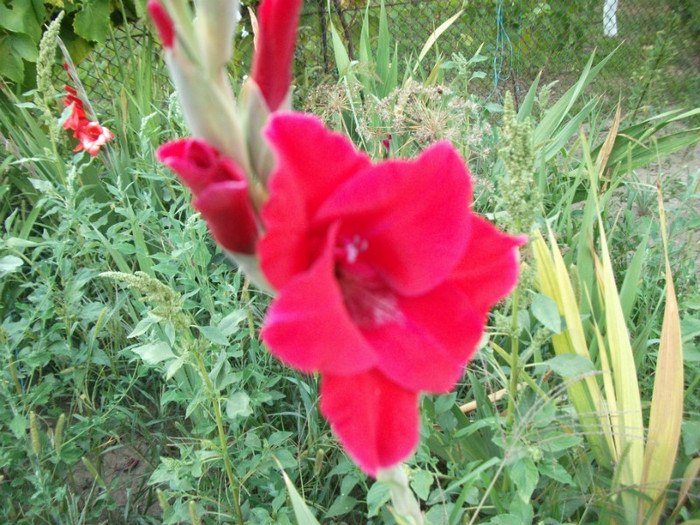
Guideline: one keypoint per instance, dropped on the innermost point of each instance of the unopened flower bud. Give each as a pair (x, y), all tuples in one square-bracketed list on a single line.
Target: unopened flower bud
[(163, 23)]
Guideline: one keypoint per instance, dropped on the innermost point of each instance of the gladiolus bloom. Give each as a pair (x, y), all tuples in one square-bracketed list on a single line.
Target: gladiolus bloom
[(384, 275), (272, 61), (220, 189), (92, 137)]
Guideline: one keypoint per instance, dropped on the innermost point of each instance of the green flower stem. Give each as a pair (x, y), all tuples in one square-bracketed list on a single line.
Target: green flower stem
[(235, 489), (404, 502), (514, 358)]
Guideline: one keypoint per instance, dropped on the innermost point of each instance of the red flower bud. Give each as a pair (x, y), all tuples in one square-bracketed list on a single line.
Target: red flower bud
[(220, 189), (163, 22), (272, 62)]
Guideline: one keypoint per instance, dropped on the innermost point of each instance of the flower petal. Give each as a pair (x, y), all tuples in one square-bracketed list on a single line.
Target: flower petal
[(414, 216), (427, 351), (311, 163), (229, 214), (308, 327), (488, 270), (375, 419)]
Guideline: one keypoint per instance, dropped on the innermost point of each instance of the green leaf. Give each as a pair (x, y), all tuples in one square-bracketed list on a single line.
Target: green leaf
[(21, 19), (214, 335), (553, 470), (421, 483), (229, 324), (154, 353), (92, 22), (691, 437), (238, 405), (11, 65), (9, 264), (24, 47), (525, 476), (342, 505), (546, 312), (570, 365), (301, 510), (377, 496)]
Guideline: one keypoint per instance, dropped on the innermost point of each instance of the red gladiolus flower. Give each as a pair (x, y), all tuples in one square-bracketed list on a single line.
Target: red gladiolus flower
[(220, 189), (384, 276), (272, 61), (91, 135)]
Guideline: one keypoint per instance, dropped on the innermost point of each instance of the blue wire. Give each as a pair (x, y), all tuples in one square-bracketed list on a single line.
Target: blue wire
[(502, 40)]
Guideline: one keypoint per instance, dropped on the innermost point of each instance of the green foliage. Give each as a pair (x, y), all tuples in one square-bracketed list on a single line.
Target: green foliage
[(87, 22), (134, 387)]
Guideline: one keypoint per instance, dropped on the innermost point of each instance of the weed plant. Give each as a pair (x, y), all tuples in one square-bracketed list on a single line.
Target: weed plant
[(134, 386)]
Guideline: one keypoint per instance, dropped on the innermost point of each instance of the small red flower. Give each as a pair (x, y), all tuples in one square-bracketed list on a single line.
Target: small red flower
[(220, 189), (272, 61), (384, 275), (92, 137)]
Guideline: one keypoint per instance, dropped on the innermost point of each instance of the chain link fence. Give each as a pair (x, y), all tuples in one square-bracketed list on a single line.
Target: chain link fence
[(656, 42)]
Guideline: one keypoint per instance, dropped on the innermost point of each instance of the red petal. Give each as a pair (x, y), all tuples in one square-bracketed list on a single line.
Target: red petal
[(272, 61), (414, 216), (428, 351), (307, 326), (311, 163), (375, 419), (227, 209), (488, 270)]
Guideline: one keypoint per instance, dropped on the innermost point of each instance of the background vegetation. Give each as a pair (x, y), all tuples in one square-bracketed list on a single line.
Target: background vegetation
[(135, 390)]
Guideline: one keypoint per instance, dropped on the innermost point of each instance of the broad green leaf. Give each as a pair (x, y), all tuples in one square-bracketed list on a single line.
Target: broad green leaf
[(238, 405), (342, 505), (525, 476), (21, 18), (9, 264), (24, 47), (229, 324), (570, 365), (546, 312), (377, 496), (11, 65), (92, 21), (154, 353), (213, 334), (553, 470), (421, 483)]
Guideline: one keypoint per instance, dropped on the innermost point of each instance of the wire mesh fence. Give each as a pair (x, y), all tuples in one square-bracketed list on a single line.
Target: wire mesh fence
[(655, 41)]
